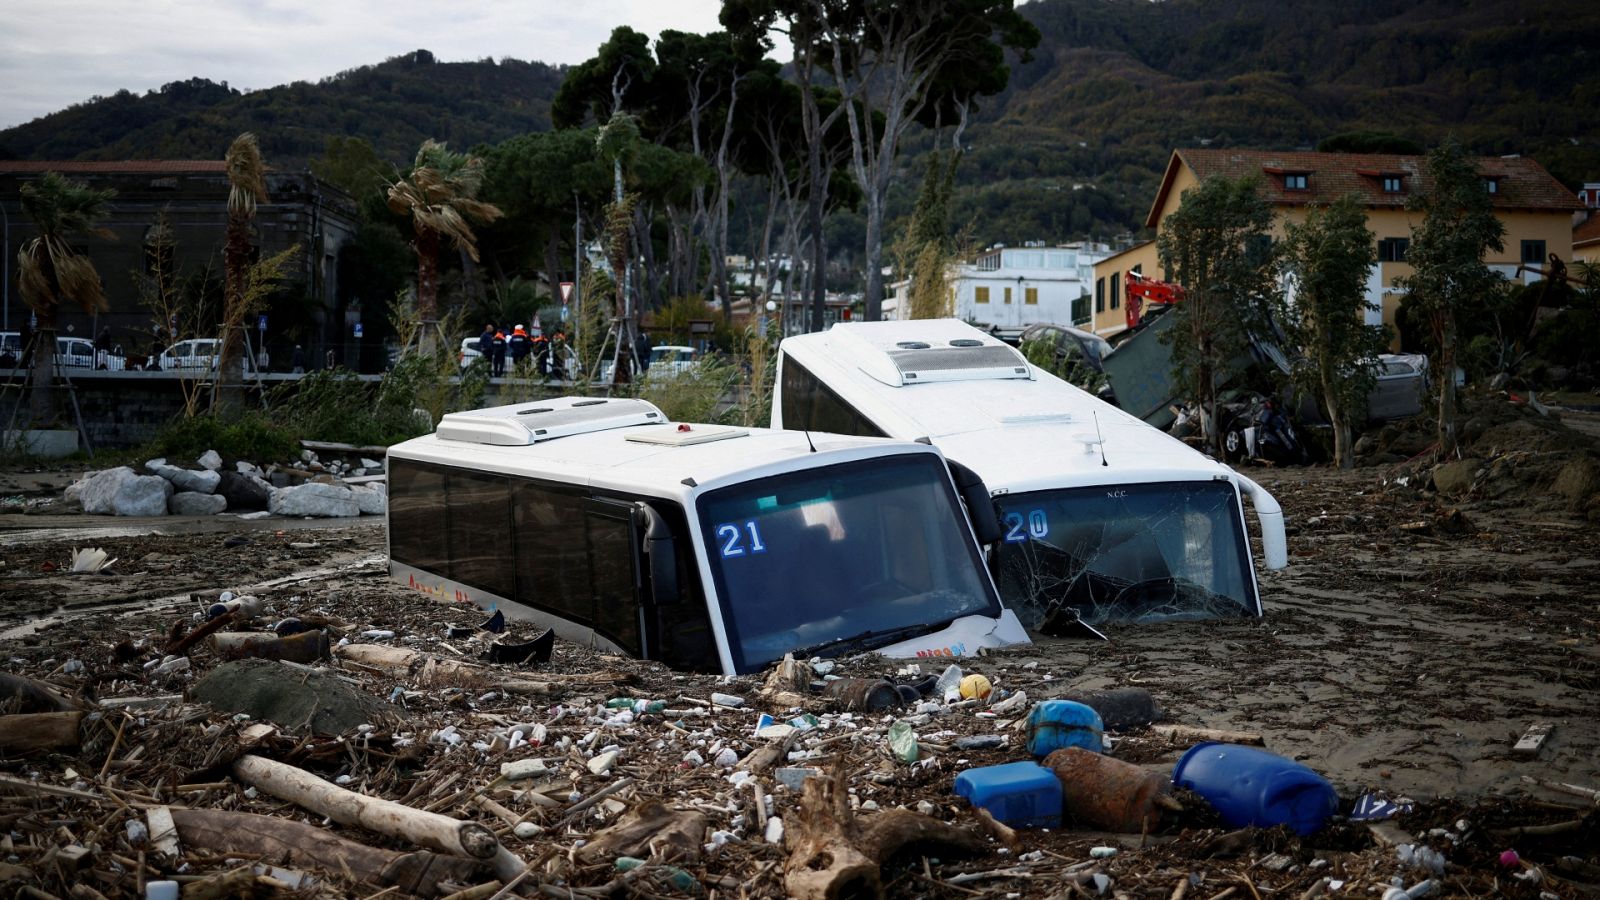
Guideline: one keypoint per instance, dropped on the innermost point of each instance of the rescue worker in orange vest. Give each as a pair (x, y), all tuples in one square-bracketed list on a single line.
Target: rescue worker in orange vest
[(498, 369), (520, 345)]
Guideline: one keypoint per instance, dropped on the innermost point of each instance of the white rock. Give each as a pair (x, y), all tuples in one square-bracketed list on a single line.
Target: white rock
[(370, 502), (308, 456), (247, 468), (194, 503), (526, 830), (210, 460), (603, 763), (523, 768), (204, 481), (313, 499), (371, 464), (123, 492), (775, 830)]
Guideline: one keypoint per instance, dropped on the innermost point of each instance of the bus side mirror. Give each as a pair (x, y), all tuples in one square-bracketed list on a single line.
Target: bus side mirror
[(661, 557), (980, 506)]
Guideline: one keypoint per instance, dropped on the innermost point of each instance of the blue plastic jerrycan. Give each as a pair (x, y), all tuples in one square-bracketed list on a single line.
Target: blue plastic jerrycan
[(1019, 794), (1054, 724), (1253, 787)]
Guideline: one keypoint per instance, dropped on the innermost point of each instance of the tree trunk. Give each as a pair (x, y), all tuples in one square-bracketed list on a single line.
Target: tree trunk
[(42, 404), (427, 248), (819, 249), (1343, 455), (552, 268), (230, 363), (1447, 399)]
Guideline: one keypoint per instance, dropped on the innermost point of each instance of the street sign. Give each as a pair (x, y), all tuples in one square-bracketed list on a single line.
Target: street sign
[(261, 322), (566, 291), (563, 313), (358, 329)]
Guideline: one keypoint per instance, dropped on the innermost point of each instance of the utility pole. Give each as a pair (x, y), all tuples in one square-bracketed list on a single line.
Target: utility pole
[(5, 255)]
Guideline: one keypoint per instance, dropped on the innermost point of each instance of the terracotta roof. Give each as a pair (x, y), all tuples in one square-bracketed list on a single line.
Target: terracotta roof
[(1588, 231), (1522, 183), (112, 167)]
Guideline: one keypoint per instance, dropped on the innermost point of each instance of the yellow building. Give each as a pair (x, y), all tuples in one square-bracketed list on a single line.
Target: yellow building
[(1586, 240), (1536, 209)]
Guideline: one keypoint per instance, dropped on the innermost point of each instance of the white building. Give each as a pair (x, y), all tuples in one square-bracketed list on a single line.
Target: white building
[(1013, 287)]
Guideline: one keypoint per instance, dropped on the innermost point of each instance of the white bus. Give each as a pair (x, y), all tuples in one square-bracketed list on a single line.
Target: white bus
[(705, 547), (1102, 514)]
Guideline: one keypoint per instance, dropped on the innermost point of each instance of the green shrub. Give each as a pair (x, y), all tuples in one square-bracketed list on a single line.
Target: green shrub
[(251, 436)]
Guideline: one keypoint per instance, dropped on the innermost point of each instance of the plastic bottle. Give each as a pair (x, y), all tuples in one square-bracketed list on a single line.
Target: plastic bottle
[(246, 607), (949, 680)]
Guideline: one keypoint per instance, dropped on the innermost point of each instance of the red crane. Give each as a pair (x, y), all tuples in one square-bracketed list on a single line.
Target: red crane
[(1140, 291)]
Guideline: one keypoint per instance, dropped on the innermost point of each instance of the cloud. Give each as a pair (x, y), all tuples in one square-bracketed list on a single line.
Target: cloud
[(54, 53)]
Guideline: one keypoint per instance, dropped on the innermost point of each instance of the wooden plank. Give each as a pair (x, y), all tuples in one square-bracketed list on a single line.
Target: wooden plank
[(26, 732), (1533, 739)]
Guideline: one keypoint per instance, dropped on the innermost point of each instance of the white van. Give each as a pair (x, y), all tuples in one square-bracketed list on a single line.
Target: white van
[(71, 353), (198, 354), (1102, 514), (705, 547)]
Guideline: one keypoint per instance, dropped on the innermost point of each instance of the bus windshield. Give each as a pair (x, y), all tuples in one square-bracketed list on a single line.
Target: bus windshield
[(844, 558), (1128, 552)]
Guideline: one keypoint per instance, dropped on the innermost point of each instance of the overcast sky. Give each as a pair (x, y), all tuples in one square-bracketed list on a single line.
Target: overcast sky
[(54, 53)]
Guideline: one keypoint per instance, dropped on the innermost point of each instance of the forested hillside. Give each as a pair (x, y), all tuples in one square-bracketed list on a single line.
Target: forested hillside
[(394, 106), (1075, 145)]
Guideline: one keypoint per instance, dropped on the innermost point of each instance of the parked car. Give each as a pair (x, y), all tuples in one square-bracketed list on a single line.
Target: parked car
[(196, 354), (1071, 354), (1401, 387), (666, 361), (469, 352), (71, 353)]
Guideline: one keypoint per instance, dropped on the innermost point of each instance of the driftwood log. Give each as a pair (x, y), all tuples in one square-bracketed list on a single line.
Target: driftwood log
[(425, 829), (33, 696), (649, 831), (306, 846), (429, 669), (833, 855), (1186, 734), (27, 732)]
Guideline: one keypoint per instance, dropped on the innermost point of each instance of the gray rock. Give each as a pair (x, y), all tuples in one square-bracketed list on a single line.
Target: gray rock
[(124, 492), (243, 491), (247, 468), (1578, 479), (371, 502), (280, 479), (1499, 382), (210, 460), (314, 500), (292, 696), (1365, 445), (203, 482), (371, 464), (1455, 477), (194, 503)]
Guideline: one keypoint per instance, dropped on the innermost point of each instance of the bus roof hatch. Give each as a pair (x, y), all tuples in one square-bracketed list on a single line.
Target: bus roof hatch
[(906, 362), (529, 423)]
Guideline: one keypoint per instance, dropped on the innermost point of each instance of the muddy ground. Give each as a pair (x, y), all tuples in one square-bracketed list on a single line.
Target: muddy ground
[(1409, 643)]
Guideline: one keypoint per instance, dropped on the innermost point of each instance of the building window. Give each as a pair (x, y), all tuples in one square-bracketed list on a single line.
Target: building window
[(1492, 185), (1296, 182), (1008, 295), (1393, 184), (1393, 249), (1138, 269), (1099, 295), (1533, 252), (980, 295), (1080, 310), (1030, 296), (1116, 289)]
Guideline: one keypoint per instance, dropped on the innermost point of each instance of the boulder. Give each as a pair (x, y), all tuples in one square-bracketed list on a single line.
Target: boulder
[(314, 499), (290, 695), (248, 468), (372, 502), (243, 491), (124, 492), (210, 460), (1454, 477), (371, 465), (1578, 479), (1365, 445), (203, 482), (194, 503)]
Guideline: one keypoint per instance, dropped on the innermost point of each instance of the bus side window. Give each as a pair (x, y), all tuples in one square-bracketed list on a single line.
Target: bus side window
[(480, 542), (417, 515), (552, 554), (811, 405)]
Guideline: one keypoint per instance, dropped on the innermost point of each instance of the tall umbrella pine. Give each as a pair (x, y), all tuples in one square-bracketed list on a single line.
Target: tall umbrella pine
[(441, 197), (247, 187), (49, 271)]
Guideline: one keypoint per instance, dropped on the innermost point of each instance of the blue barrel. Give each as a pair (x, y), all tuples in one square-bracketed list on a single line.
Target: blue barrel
[(1019, 794), (1054, 724), (1253, 787)]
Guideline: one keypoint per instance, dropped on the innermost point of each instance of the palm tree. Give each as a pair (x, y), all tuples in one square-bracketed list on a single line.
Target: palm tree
[(50, 271), (440, 195), (248, 187)]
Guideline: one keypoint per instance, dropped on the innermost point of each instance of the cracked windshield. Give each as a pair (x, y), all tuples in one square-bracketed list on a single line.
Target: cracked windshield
[(875, 551), (1138, 552)]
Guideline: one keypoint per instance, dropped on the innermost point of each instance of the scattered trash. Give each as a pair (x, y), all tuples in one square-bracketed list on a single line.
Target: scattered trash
[(1253, 787), (1122, 708), (903, 742), (1019, 794), (1053, 724), (1376, 807), (90, 561), (862, 694), (975, 687), (1107, 793)]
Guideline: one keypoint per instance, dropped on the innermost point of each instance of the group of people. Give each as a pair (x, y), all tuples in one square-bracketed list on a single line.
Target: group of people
[(495, 346)]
